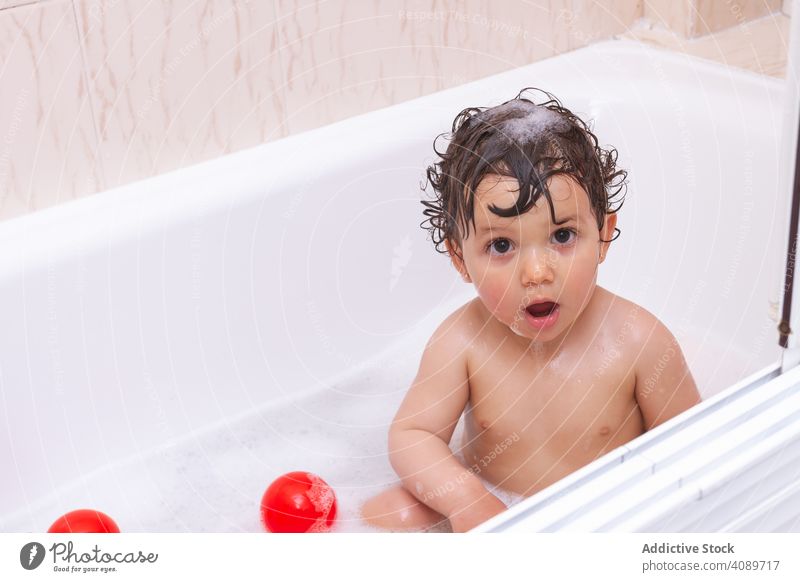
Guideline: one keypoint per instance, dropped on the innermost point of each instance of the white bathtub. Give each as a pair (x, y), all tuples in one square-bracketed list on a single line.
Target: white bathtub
[(171, 346)]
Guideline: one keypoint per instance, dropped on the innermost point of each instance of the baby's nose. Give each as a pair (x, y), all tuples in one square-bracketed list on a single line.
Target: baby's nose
[(536, 269)]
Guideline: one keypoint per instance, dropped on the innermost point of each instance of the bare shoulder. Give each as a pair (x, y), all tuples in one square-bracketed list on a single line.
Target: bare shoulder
[(616, 318), (440, 390), (619, 310), (460, 328), (665, 386), (642, 327), (647, 329), (616, 312)]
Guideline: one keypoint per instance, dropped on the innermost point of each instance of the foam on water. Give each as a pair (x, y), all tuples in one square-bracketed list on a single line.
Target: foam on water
[(322, 498), (213, 480)]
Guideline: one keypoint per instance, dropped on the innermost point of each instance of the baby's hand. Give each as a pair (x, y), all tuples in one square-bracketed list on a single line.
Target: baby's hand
[(476, 513)]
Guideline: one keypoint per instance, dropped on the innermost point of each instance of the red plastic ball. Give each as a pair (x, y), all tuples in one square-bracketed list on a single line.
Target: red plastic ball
[(84, 521), (298, 502)]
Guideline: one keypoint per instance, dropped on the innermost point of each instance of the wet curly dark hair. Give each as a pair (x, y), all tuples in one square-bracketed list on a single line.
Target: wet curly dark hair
[(520, 139)]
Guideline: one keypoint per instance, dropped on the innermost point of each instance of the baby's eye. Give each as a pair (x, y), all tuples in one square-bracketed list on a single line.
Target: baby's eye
[(498, 246), (562, 235)]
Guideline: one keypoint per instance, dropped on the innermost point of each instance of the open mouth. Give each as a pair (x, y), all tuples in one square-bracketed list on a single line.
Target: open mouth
[(542, 309)]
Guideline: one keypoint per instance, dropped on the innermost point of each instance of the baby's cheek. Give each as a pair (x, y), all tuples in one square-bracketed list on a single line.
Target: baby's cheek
[(494, 295), (582, 275)]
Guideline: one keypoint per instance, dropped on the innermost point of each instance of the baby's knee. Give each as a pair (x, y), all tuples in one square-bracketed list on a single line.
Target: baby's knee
[(397, 510)]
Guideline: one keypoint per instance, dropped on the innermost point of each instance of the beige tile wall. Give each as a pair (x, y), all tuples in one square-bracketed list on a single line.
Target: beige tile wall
[(97, 93), (760, 46), (174, 83), (693, 18), (12, 3), (344, 58), (48, 143), (713, 15), (750, 34)]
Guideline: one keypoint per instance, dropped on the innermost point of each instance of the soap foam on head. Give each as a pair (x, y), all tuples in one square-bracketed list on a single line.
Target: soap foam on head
[(529, 121)]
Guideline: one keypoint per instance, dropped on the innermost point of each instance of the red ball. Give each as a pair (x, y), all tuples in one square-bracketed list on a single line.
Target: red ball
[(84, 521), (298, 502)]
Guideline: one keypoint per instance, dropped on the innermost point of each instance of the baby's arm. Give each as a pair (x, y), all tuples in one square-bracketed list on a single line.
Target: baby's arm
[(664, 383), (424, 424)]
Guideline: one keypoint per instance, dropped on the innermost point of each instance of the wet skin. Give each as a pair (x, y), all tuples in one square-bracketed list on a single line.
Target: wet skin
[(539, 402)]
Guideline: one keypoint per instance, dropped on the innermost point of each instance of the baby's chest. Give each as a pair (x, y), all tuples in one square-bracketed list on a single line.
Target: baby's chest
[(551, 399)]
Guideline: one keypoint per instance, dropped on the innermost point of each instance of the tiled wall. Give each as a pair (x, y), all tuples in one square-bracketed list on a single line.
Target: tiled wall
[(97, 93), (693, 18)]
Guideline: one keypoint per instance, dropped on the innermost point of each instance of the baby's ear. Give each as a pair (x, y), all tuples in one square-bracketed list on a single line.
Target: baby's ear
[(607, 234), (457, 259)]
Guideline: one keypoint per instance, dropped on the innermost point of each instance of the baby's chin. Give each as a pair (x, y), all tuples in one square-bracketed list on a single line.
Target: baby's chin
[(520, 328), (535, 342), (515, 327)]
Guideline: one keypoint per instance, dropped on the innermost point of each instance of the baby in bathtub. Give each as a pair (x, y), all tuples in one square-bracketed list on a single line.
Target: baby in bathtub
[(550, 370)]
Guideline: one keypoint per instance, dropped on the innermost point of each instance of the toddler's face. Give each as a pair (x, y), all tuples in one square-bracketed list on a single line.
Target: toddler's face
[(518, 262)]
